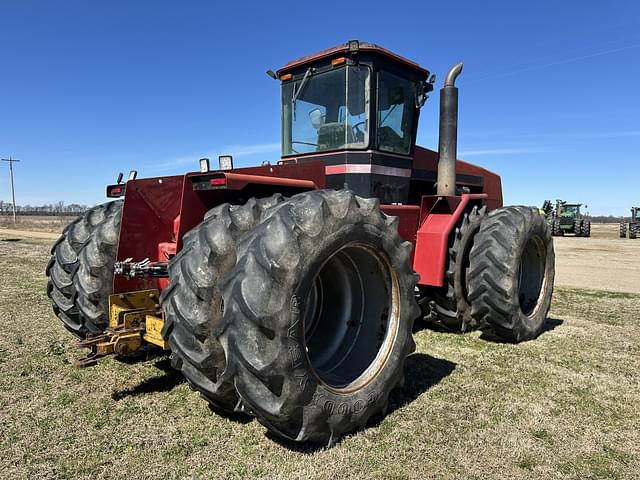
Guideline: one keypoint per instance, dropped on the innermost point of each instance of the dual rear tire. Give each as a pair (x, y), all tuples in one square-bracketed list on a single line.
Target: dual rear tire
[(80, 271), (500, 274), (511, 274), (318, 313), (192, 303)]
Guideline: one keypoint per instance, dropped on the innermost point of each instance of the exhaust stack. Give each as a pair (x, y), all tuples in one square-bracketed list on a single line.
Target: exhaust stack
[(448, 141)]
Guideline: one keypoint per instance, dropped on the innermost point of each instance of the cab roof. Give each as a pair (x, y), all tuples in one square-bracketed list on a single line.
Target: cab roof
[(353, 47)]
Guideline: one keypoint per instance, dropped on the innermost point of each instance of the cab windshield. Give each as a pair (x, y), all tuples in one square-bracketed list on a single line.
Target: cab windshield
[(326, 111)]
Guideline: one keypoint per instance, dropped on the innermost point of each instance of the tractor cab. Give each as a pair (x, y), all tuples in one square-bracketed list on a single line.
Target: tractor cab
[(568, 210), (355, 97), (355, 108)]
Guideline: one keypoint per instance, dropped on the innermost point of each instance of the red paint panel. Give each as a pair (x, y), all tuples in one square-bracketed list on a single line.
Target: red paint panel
[(150, 207), (439, 215), (311, 175), (237, 181)]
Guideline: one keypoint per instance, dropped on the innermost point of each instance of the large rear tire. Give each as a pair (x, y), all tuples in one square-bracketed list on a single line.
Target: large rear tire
[(192, 303), (586, 229), (633, 230), (80, 271), (454, 310), (318, 315), (511, 274)]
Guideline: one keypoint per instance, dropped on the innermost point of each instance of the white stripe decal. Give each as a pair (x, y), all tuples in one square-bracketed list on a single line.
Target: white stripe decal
[(367, 168)]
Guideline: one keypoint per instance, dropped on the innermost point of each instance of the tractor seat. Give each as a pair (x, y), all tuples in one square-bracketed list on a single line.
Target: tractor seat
[(332, 136)]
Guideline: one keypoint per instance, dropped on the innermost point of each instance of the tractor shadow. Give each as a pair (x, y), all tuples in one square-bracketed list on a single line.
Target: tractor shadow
[(238, 417), (550, 324), (170, 379), (421, 373)]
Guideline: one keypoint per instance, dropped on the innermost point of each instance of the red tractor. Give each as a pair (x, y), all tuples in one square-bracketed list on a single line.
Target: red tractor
[(289, 291)]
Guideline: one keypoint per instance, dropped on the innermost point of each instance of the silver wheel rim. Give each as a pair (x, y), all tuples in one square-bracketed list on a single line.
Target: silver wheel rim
[(351, 317)]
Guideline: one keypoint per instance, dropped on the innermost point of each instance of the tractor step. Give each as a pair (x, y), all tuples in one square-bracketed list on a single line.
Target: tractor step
[(135, 318)]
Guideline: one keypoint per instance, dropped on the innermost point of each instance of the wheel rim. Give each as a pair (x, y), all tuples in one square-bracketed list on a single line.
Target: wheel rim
[(351, 317), (531, 278)]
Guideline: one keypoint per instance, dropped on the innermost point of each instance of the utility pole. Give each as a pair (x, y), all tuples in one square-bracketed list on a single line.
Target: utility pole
[(13, 191)]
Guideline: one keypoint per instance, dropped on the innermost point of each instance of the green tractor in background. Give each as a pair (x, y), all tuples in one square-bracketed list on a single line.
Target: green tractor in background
[(567, 218), (634, 224)]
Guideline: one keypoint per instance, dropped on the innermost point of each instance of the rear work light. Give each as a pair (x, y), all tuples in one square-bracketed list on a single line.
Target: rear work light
[(115, 191)]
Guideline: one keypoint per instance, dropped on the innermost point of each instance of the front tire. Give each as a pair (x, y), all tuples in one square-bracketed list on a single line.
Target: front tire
[(318, 316), (623, 230), (511, 274), (633, 230)]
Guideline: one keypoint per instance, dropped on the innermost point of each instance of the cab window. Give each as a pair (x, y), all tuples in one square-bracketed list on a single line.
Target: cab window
[(396, 113)]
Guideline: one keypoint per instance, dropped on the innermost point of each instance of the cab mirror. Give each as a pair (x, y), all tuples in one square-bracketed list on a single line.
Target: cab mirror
[(316, 117)]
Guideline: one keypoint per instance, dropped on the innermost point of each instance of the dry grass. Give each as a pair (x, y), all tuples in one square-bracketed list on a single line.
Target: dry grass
[(563, 406), (36, 224)]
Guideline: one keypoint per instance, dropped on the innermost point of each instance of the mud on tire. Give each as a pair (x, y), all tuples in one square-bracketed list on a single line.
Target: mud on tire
[(80, 271), (511, 273), (318, 315), (192, 303)]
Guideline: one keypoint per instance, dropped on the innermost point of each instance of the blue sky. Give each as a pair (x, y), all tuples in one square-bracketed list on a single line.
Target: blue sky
[(88, 89)]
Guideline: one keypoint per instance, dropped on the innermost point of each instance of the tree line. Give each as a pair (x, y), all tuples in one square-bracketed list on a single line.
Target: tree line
[(58, 208)]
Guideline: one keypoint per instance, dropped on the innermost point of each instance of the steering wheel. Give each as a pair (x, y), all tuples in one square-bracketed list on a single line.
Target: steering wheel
[(356, 128)]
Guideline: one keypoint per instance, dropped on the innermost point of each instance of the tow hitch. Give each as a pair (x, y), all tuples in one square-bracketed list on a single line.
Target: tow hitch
[(145, 268), (135, 318)]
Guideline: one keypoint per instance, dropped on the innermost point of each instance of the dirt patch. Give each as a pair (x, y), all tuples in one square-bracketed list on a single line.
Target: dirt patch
[(602, 262)]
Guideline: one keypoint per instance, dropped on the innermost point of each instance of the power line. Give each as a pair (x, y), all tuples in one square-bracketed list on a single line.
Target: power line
[(13, 191)]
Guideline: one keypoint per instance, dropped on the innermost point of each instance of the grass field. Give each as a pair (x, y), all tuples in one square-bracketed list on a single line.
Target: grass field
[(35, 223), (566, 405)]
